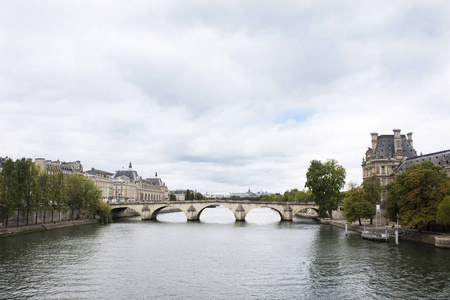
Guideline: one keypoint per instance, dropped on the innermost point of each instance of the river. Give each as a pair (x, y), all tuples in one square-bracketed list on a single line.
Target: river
[(217, 258)]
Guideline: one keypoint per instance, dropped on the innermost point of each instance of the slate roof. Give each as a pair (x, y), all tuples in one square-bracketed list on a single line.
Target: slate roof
[(155, 181), (127, 173), (385, 147), (96, 171), (441, 159)]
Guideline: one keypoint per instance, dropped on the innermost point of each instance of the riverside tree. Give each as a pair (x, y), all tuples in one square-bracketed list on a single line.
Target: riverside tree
[(8, 190), (372, 195), (325, 180), (416, 195), (357, 204)]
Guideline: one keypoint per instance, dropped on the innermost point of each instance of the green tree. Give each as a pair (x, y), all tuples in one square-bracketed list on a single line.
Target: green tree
[(8, 190), (198, 196), (104, 212), (187, 196), (92, 197), (304, 196), (372, 194), (172, 197), (325, 180), (57, 193), (357, 204), (24, 184), (392, 200), (443, 212), (417, 194), (74, 193)]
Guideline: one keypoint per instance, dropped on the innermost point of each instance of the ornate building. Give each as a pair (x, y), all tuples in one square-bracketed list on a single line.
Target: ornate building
[(393, 154), (128, 186)]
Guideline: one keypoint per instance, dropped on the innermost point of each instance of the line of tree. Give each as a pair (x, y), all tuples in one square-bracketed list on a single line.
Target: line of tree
[(294, 195), (420, 197), (27, 189), (193, 196)]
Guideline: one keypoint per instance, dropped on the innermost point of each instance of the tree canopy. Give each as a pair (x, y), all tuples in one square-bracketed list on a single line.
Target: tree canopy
[(325, 180), (416, 195), (26, 188), (360, 201)]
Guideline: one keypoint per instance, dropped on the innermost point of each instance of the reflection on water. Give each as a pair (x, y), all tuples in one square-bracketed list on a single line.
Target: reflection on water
[(217, 258)]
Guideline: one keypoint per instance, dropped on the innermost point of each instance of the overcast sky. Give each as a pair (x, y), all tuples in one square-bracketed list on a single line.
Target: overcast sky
[(220, 96)]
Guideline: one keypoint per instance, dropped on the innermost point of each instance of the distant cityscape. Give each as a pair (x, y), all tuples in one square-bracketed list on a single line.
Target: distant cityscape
[(126, 185), (388, 156)]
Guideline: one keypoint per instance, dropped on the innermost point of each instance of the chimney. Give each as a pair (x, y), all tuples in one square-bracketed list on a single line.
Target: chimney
[(410, 140), (397, 140), (374, 140)]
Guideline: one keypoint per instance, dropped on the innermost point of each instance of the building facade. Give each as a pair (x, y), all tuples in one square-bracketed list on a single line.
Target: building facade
[(128, 186), (393, 154)]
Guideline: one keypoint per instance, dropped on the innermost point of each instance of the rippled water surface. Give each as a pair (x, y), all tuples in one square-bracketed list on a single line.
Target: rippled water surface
[(217, 258)]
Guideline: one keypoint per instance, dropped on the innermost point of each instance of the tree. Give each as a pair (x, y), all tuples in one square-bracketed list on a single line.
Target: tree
[(372, 193), (24, 184), (417, 194), (357, 204), (8, 189), (187, 196), (198, 196), (325, 180), (443, 212), (172, 197), (304, 196), (57, 194)]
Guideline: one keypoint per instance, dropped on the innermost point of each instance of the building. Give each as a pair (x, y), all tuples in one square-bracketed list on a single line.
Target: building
[(393, 154), (127, 186), (67, 168)]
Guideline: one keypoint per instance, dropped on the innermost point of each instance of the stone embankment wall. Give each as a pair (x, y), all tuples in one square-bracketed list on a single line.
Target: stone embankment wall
[(38, 217)]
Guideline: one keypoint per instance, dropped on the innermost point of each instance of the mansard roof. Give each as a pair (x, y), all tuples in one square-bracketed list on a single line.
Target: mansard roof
[(127, 173), (441, 158), (386, 149), (155, 181)]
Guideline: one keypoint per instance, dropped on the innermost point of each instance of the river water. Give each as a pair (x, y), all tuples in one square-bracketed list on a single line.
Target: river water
[(217, 258)]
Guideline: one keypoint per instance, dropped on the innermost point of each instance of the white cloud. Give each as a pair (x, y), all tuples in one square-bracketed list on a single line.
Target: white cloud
[(219, 96)]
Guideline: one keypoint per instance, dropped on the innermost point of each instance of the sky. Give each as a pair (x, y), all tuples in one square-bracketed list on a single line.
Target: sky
[(221, 96)]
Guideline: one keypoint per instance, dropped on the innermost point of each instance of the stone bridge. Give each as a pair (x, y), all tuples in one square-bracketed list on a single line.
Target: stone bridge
[(193, 209)]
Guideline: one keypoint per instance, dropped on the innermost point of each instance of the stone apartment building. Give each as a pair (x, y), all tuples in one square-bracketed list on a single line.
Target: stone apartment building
[(127, 186), (393, 154)]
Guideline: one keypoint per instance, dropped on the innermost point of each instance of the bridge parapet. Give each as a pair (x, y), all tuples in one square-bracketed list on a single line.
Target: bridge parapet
[(193, 209)]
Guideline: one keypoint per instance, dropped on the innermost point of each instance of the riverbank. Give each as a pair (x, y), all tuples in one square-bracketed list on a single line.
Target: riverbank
[(41, 227), (410, 234)]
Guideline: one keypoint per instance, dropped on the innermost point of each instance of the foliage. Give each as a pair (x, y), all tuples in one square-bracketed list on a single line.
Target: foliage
[(443, 212), (325, 180), (199, 196), (24, 185), (8, 189), (357, 204), (417, 193), (372, 195), (104, 212), (172, 197), (187, 196)]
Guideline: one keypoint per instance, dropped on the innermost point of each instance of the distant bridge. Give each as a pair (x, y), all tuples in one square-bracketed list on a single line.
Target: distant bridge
[(194, 208)]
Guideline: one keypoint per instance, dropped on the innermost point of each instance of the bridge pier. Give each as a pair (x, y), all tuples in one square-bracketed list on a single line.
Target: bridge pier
[(240, 213), (192, 214), (146, 214), (287, 214)]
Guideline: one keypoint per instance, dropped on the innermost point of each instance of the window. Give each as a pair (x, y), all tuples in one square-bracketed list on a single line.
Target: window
[(383, 180), (383, 170)]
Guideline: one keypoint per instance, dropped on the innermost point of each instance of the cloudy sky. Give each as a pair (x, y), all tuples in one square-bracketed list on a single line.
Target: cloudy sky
[(220, 96)]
